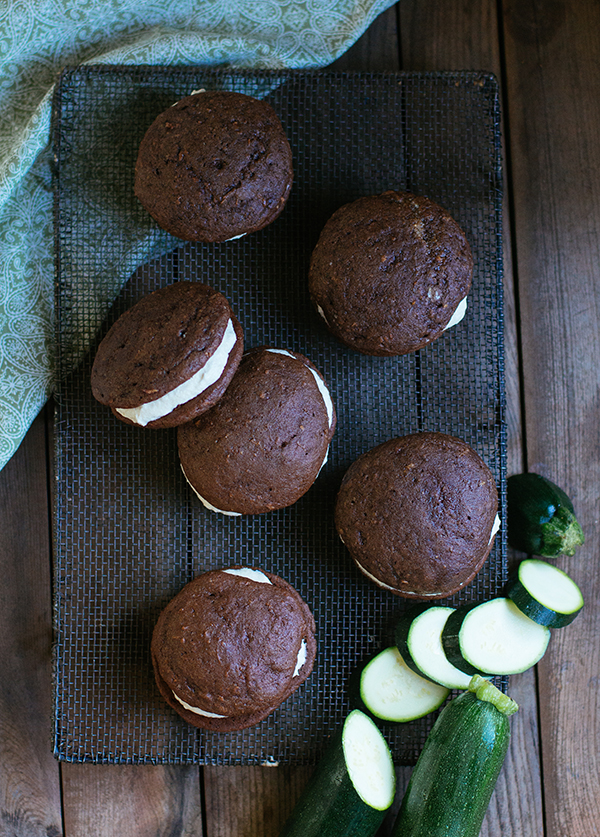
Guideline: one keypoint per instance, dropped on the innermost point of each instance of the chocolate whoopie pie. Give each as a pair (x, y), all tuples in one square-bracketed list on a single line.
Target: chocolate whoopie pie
[(214, 166), (418, 514), (263, 445), (390, 273), (231, 646), (168, 358)]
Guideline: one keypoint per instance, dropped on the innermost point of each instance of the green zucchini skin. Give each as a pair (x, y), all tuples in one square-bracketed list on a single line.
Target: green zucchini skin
[(329, 805), (401, 636), (455, 775), (541, 519)]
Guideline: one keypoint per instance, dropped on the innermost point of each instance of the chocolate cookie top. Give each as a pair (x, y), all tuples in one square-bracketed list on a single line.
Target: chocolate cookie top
[(389, 271), (262, 446), (214, 166), (231, 646), (169, 357), (417, 514)]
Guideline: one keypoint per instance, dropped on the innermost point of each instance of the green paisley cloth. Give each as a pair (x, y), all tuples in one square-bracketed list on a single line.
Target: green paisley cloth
[(40, 37)]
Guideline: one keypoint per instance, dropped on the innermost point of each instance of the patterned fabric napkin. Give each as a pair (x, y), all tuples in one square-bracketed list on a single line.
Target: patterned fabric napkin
[(40, 37)]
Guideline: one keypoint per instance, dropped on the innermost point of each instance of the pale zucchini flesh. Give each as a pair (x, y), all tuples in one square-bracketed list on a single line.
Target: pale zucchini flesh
[(497, 638), (392, 691), (368, 761)]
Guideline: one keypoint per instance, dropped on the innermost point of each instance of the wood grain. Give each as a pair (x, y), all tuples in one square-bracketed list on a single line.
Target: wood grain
[(29, 777), (553, 88), (136, 801)]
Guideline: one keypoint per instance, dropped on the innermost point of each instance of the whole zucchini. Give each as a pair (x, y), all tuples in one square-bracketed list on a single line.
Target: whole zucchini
[(455, 775), (541, 519)]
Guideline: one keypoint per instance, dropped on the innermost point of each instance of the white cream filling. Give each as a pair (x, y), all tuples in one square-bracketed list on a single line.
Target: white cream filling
[(322, 313), (461, 310), (495, 527), (301, 658), (200, 381), (196, 710), (248, 572)]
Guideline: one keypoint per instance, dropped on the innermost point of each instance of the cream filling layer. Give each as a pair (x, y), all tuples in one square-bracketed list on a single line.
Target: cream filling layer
[(248, 572), (194, 386), (495, 527), (196, 710), (461, 310)]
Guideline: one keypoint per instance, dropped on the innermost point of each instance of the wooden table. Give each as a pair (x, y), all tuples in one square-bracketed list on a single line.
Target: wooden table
[(546, 55)]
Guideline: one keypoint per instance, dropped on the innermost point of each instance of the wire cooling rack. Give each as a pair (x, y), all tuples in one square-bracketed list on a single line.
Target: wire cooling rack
[(128, 532)]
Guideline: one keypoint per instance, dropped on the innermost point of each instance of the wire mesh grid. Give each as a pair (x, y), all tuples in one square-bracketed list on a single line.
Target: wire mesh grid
[(128, 532)]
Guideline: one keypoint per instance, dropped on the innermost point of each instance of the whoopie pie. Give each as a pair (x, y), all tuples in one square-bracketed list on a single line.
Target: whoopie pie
[(231, 646), (168, 358), (418, 514)]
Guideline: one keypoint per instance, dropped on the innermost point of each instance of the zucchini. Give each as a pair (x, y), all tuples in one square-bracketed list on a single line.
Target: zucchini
[(541, 519), (454, 777), (544, 593), (352, 786), (493, 638), (418, 635), (391, 691)]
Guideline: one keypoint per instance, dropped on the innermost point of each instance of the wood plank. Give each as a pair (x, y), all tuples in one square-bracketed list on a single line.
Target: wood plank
[(29, 776), (246, 801), (464, 36), (552, 53), (136, 801)]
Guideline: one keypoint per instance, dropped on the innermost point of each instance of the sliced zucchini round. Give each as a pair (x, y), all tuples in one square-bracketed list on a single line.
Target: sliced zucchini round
[(419, 640), (390, 690), (494, 637), (544, 593), (368, 761)]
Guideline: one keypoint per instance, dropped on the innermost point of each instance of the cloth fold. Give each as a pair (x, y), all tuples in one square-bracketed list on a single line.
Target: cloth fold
[(40, 37)]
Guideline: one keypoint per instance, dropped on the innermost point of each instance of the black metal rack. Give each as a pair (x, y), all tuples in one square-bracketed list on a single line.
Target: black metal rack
[(128, 532)]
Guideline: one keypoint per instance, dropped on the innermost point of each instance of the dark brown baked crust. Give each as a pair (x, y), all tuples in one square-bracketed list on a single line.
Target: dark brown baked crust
[(213, 166), (417, 513), (388, 272), (158, 344), (262, 446), (229, 645)]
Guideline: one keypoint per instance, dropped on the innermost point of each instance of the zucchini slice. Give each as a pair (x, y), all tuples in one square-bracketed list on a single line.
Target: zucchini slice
[(493, 638), (419, 640), (390, 690), (454, 777), (544, 593), (541, 518), (352, 786)]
